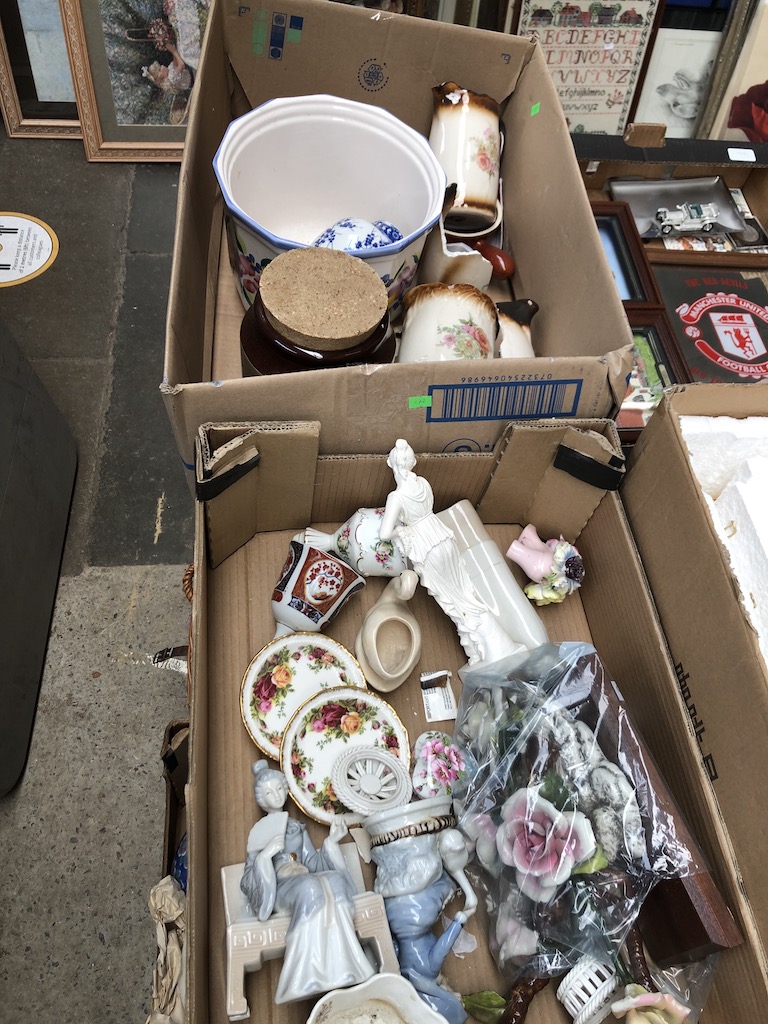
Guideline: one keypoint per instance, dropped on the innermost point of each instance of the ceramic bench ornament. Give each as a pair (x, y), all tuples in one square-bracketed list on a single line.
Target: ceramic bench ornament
[(300, 902)]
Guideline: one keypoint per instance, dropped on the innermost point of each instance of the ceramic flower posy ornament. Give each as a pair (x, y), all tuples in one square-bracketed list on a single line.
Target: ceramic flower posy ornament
[(555, 566)]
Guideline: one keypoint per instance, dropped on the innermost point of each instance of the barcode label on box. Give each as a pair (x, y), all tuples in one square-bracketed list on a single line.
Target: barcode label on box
[(503, 400)]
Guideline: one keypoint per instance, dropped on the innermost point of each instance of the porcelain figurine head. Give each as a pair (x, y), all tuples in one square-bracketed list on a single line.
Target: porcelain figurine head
[(270, 788)]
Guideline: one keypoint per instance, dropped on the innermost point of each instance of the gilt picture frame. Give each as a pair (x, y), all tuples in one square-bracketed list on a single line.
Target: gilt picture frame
[(134, 64), (28, 108)]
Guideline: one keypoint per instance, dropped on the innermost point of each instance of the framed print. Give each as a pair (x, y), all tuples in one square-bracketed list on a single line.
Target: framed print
[(742, 114), (654, 358), (36, 93), (134, 67), (624, 248), (719, 321), (676, 80), (594, 53)]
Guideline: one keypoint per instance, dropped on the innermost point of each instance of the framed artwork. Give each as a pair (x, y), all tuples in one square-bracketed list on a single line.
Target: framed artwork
[(742, 115), (36, 92), (653, 369), (719, 321), (624, 248), (677, 79), (594, 52), (134, 66)]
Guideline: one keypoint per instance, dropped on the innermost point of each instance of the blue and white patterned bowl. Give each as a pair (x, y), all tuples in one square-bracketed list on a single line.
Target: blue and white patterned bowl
[(295, 166)]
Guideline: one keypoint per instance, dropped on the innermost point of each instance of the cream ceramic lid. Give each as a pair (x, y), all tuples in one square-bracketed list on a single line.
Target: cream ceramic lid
[(322, 298)]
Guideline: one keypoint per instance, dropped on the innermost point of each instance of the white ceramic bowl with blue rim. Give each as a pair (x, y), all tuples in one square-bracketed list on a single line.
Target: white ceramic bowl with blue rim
[(295, 166)]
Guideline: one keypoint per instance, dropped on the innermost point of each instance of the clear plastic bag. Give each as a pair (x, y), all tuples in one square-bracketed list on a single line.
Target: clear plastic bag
[(571, 822)]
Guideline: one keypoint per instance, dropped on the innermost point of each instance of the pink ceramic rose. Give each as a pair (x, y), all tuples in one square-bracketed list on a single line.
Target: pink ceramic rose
[(542, 844)]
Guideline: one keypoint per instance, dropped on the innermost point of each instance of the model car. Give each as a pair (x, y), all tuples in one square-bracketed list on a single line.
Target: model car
[(687, 217)]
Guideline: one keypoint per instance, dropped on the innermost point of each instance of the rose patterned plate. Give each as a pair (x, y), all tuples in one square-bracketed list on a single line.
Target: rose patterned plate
[(326, 726), (286, 672)]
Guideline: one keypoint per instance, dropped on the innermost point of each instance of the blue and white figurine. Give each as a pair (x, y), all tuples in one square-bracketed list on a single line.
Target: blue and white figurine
[(352, 234)]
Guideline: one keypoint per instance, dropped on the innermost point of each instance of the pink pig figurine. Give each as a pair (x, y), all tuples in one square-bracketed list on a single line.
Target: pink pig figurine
[(555, 566)]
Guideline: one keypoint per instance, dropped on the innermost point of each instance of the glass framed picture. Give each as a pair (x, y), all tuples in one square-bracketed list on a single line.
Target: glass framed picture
[(37, 96), (654, 368), (627, 259), (134, 66)]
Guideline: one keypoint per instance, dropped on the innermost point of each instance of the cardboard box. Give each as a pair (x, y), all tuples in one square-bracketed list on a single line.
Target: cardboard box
[(722, 679), (645, 155), (232, 620), (580, 334)]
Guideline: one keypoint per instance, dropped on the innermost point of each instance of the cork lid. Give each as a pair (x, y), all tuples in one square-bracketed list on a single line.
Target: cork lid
[(322, 298)]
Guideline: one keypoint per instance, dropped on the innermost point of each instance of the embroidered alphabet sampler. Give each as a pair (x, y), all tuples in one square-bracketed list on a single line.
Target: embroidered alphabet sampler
[(594, 52)]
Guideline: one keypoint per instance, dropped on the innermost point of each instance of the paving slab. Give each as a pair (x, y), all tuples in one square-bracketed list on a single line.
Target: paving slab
[(68, 311), (81, 835)]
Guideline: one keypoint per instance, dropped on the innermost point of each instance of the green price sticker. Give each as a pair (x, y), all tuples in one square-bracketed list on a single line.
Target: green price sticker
[(420, 402)]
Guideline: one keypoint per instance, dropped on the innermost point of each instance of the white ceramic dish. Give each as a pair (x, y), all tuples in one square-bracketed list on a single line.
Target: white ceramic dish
[(326, 726), (294, 166), (283, 675), (393, 989)]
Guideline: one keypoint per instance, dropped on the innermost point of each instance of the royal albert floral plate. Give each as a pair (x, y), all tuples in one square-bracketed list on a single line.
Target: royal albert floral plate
[(286, 672), (326, 726)]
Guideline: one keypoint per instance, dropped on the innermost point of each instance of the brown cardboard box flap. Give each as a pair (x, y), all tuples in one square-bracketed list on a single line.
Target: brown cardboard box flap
[(388, 41), (572, 466), (241, 474), (722, 681)]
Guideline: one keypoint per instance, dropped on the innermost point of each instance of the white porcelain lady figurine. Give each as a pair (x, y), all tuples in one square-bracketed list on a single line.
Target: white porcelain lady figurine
[(431, 547), (285, 874)]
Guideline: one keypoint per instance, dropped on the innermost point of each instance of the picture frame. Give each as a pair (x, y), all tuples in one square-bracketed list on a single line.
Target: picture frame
[(741, 116), (677, 79), (29, 107), (133, 74), (719, 321), (655, 367), (626, 255), (735, 47), (595, 79)]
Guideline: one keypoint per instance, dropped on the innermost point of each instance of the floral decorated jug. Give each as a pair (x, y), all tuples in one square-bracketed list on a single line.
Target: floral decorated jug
[(465, 136), (357, 541)]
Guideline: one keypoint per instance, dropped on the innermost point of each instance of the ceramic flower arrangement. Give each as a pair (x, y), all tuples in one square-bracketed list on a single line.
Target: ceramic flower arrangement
[(567, 829)]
